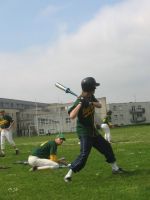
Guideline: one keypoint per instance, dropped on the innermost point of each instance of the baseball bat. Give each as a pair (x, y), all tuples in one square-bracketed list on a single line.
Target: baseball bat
[(66, 89)]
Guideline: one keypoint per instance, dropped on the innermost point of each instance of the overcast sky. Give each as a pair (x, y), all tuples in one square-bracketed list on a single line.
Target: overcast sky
[(49, 41)]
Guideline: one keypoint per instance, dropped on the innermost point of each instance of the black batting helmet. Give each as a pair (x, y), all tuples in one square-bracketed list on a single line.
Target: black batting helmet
[(89, 84)]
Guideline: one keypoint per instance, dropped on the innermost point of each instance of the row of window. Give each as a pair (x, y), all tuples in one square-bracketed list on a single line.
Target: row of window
[(115, 108), (44, 121), (50, 121), (14, 105)]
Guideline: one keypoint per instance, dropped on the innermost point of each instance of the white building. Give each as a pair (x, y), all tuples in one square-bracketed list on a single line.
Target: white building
[(130, 113), (34, 118)]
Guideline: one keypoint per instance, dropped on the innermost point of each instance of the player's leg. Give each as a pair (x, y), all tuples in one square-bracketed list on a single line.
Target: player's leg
[(80, 161), (105, 148), (107, 132), (41, 164), (106, 129), (2, 143), (11, 141)]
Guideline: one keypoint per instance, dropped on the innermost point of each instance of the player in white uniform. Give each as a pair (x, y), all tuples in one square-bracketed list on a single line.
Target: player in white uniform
[(6, 125), (106, 126)]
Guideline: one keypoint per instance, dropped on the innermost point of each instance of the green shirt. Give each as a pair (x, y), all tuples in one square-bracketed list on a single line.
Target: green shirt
[(5, 121), (45, 150), (85, 119), (107, 119)]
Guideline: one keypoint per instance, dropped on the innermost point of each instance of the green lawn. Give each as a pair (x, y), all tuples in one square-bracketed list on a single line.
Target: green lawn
[(132, 149)]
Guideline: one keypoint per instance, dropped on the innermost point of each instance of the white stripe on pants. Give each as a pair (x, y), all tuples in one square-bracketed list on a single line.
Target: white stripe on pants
[(6, 134), (42, 163)]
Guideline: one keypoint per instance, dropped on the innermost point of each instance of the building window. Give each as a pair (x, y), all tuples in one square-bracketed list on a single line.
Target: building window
[(139, 115), (133, 108), (68, 120), (41, 131), (114, 108), (115, 117), (62, 108)]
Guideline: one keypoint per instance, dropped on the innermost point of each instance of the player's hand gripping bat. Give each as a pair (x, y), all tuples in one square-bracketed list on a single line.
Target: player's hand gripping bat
[(66, 89)]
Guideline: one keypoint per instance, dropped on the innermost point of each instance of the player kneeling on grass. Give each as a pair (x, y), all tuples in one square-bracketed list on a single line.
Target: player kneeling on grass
[(84, 109), (45, 156)]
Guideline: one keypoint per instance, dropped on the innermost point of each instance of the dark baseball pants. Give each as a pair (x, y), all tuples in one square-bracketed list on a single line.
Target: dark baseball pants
[(86, 144)]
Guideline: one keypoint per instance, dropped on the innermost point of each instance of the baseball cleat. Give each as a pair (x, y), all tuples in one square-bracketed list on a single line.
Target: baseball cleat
[(17, 151), (33, 169), (69, 165), (119, 171), (67, 179)]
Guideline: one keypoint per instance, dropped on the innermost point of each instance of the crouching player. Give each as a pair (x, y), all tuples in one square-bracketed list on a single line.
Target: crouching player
[(45, 156)]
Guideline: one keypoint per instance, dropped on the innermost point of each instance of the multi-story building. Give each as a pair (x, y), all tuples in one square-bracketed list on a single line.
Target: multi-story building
[(130, 113), (16, 108), (43, 118), (34, 118)]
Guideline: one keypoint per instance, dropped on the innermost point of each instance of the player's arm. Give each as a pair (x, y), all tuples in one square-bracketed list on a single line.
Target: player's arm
[(59, 161), (62, 161), (110, 125), (73, 114), (97, 104), (73, 111), (11, 125), (53, 158)]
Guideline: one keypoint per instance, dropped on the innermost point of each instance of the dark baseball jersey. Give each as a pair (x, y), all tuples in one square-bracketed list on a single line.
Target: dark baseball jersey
[(45, 150), (107, 119), (5, 121), (85, 118)]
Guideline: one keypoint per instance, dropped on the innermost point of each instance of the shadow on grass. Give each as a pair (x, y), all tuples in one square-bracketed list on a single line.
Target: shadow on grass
[(139, 172), (105, 177), (135, 173), (120, 141)]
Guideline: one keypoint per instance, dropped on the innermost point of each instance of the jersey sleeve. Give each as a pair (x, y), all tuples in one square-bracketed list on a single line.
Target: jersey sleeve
[(73, 106), (53, 148)]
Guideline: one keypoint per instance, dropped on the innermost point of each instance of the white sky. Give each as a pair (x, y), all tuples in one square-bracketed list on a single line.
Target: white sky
[(111, 42)]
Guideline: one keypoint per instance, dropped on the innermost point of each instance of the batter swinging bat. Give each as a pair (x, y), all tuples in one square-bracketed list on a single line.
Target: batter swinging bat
[(67, 90)]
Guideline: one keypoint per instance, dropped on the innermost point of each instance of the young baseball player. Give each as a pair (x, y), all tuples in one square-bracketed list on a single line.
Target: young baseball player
[(45, 156), (6, 125), (83, 109), (106, 126)]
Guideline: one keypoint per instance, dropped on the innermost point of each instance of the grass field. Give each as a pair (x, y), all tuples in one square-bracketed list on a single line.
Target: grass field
[(132, 149)]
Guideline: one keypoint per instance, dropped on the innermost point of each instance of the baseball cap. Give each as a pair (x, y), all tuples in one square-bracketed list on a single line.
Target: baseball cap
[(61, 136)]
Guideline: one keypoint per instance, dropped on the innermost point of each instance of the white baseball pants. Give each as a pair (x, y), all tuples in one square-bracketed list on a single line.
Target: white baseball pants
[(42, 163), (6, 134), (106, 129)]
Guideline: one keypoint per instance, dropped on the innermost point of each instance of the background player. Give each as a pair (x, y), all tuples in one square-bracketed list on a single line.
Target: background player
[(6, 125), (106, 126), (45, 156)]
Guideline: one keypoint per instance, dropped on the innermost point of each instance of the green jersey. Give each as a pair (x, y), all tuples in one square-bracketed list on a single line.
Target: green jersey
[(45, 150), (85, 119), (5, 121), (107, 119)]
